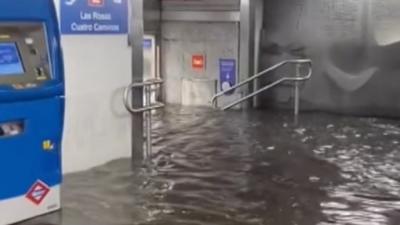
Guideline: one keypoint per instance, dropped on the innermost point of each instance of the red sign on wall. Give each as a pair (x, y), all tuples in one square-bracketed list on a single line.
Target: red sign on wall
[(96, 3), (198, 62)]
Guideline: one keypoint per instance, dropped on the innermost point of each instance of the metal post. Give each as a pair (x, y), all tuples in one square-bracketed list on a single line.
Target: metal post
[(297, 91), (136, 40), (148, 123)]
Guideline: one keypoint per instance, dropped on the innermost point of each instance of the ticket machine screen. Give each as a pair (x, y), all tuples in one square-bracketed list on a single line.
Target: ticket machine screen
[(10, 60), (24, 55)]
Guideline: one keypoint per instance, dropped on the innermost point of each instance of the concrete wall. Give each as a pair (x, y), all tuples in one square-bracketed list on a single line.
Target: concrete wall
[(97, 127), (354, 46), (180, 40)]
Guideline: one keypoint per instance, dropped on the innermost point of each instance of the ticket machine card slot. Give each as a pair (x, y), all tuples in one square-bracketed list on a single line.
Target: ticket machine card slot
[(11, 129)]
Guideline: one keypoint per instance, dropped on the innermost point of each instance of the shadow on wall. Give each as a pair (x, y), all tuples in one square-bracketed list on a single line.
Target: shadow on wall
[(353, 74)]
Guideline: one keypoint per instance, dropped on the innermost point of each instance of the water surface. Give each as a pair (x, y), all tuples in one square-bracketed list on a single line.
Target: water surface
[(246, 168)]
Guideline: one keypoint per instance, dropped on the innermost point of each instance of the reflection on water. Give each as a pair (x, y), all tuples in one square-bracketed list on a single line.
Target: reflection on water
[(245, 168)]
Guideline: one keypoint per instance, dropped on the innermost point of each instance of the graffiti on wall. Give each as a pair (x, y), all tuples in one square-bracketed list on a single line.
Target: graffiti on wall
[(354, 46)]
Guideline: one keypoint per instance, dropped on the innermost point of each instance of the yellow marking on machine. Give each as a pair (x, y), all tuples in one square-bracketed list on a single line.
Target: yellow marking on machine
[(48, 145)]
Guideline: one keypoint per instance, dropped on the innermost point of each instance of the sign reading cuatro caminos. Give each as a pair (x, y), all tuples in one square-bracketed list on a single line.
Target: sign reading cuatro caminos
[(94, 16)]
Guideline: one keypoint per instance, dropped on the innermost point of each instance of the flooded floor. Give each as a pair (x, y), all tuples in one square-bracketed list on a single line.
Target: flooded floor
[(247, 168)]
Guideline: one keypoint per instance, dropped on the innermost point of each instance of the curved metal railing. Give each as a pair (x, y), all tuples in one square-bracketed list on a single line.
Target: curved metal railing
[(146, 110), (147, 84), (296, 79)]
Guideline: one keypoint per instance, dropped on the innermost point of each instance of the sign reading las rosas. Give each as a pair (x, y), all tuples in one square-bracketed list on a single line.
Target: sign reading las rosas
[(94, 16)]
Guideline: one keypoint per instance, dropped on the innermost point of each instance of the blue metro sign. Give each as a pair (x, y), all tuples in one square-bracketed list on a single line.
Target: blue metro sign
[(94, 16), (227, 73)]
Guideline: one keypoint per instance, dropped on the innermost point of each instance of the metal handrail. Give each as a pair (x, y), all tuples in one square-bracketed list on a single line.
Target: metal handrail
[(128, 90), (146, 110), (270, 69)]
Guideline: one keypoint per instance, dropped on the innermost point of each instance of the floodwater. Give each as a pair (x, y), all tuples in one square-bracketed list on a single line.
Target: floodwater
[(246, 168)]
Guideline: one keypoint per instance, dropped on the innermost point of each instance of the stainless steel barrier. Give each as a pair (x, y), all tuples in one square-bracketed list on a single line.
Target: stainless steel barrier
[(297, 79), (149, 87)]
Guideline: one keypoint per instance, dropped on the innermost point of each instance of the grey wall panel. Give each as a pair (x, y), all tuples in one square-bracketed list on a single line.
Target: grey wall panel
[(355, 46), (201, 16), (201, 5)]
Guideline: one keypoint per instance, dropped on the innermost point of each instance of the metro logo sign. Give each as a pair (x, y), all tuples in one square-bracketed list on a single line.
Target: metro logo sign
[(96, 3), (38, 192)]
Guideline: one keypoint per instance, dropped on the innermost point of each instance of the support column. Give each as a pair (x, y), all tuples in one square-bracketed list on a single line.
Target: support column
[(258, 20), (247, 39), (136, 40)]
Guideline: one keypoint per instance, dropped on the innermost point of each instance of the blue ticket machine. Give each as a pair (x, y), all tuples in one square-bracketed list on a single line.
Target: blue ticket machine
[(31, 109)]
